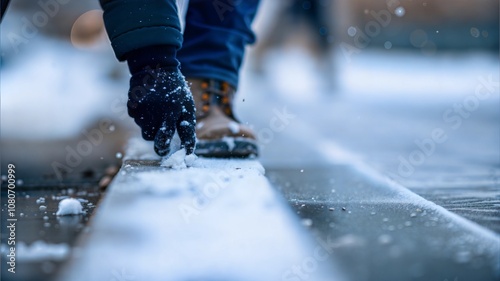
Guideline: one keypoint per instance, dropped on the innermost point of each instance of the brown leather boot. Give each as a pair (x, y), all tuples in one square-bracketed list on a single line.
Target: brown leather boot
[(218, 132)]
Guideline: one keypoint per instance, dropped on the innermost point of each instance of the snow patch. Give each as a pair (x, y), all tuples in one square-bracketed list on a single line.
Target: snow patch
[(69, 206), (215, 217), (39, 251), (179, 160), (175, 161)]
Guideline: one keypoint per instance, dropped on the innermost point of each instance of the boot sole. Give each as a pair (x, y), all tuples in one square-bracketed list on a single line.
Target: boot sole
[(227, 148)]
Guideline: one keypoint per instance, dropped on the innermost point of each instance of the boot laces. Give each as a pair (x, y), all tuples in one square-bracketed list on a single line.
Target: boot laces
[(217, 93)]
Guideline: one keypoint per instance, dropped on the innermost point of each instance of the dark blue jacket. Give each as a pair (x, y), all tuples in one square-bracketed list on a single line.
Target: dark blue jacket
[(134, 24)]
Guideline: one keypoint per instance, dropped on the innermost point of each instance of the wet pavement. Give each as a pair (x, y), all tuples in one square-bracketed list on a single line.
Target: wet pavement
[(378, 232), (38, 226), (385, 130), (480, 204), (47, 240), (370, 229)]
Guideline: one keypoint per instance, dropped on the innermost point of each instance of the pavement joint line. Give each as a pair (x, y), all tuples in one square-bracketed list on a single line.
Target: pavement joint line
[(401, 235), (336, 154)]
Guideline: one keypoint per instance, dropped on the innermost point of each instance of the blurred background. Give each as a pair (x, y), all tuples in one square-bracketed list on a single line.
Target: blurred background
[(60, 78), (372, 77)]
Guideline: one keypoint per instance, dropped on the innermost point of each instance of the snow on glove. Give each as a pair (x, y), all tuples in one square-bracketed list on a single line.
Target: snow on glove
[(160, 103)]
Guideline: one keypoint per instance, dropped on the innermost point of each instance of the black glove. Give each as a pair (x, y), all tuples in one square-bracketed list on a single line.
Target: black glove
[(159, 99)]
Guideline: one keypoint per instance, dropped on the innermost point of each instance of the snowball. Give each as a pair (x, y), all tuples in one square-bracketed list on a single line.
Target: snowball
[(69, 206), (176, 160)]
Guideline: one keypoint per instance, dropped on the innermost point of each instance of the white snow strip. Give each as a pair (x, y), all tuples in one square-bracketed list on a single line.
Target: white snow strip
[(217, 220)]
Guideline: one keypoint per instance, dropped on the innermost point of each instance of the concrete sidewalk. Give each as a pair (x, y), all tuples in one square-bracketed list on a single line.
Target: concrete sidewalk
[(217, 220), (222, 220)]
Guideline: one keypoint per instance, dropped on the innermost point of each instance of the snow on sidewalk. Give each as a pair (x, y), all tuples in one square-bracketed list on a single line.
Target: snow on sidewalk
[(217, 220)]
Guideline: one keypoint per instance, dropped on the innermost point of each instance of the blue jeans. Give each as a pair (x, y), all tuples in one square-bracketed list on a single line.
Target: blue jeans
[(215, 37)]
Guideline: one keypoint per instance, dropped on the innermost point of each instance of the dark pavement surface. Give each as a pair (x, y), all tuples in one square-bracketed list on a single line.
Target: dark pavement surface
[(378, 233), (480, 204), (36, 221)]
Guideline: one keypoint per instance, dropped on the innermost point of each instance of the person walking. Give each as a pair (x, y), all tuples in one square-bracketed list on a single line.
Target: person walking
[(147, 35)]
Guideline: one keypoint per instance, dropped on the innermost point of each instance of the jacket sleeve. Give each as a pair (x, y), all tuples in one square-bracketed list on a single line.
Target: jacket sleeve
[(134, 24)]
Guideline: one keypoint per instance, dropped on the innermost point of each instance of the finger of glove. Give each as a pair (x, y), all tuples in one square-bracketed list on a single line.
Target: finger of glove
[(164, 137), (186, 129)]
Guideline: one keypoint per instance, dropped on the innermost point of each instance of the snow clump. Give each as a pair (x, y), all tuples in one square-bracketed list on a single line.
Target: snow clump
[(179, 160), (69, 206)]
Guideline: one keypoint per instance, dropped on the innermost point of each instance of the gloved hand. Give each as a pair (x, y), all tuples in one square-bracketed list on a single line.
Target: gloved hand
[(160, 103)]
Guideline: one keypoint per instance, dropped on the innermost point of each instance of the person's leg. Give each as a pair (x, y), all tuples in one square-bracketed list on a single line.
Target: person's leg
[(215, 37)]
